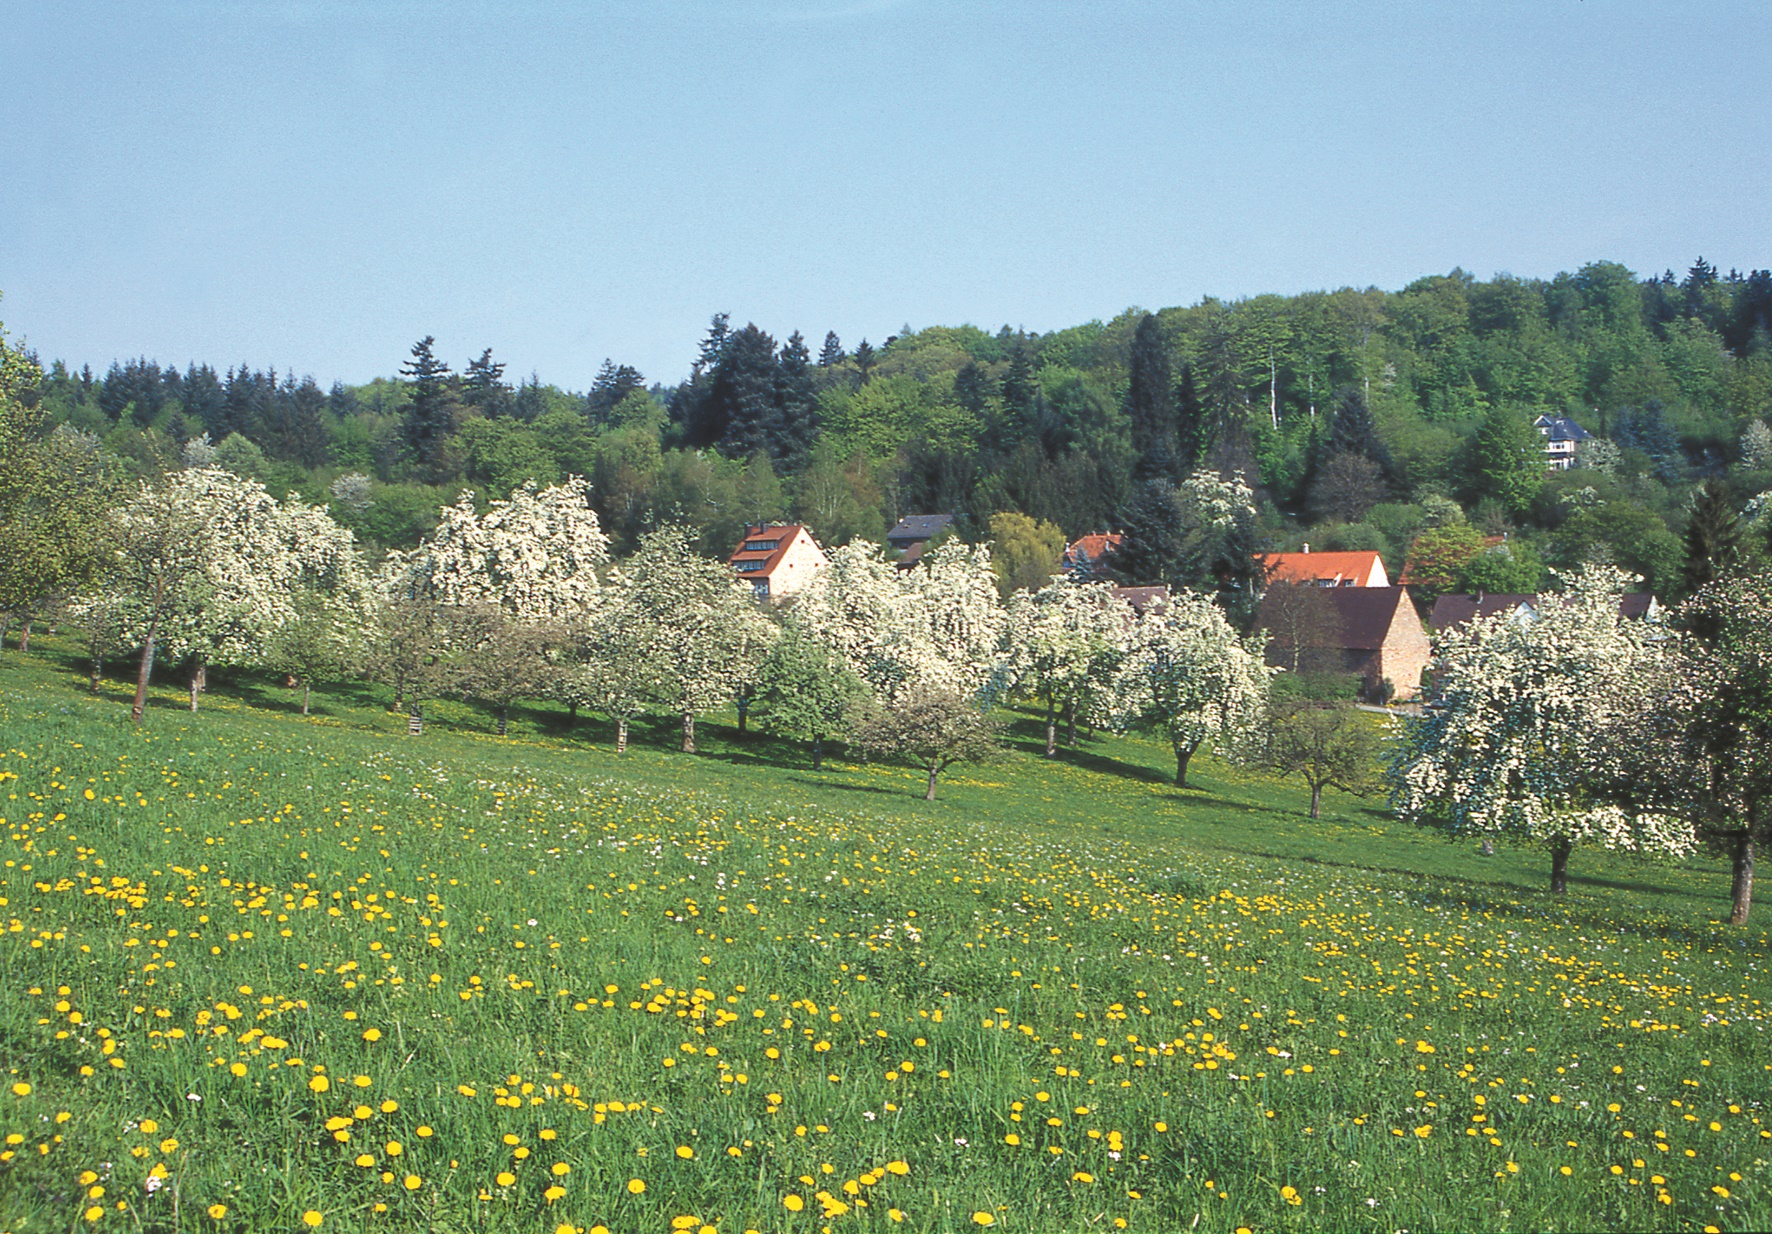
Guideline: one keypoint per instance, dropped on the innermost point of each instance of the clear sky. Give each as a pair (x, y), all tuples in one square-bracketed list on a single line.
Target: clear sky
[(314, 185)]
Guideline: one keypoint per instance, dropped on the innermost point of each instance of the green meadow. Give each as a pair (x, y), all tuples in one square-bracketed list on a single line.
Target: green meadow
[(264, 972)]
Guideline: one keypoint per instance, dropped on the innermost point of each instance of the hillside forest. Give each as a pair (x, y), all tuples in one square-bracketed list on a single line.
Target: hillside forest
[(1364, 419)]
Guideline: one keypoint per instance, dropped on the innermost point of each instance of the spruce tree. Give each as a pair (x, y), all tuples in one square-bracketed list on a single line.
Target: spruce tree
[(614, 382), (799, 409), (743, 398), (483, 387), (1192, 431), (1017, 388), (865, 359), (1150, 405), (832, 353), (1713, 537), (427, 422)]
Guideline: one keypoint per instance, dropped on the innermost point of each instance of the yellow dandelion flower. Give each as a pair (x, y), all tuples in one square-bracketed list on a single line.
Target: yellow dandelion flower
[(505, 1178), (685, 1152), (981, 1217), (312, 1218), (793, 1203), (21, 1089), (412, 1182), (636, 1186)]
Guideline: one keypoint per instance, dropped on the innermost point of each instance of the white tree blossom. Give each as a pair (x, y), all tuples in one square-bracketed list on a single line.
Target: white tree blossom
[(1064, 641), (1523, 740), (1188, 674), (536, 555), (207, 565), (939, 625), (706, 635)]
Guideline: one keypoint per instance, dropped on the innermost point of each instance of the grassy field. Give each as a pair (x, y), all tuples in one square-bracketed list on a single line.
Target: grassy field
[(266, 973)]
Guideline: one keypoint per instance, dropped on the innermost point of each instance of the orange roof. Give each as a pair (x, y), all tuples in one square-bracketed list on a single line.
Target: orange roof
[(1344, 569), (782, 535), (1094, 546)]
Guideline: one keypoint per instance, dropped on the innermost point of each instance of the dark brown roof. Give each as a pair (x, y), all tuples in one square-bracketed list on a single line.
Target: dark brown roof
[(913, 527), (1358, 618), (1142, 598), (1455, 610)]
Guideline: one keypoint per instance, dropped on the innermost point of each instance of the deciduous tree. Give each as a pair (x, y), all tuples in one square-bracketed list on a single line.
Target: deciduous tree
[(1189, 676), (932, 728), (1524, 738)]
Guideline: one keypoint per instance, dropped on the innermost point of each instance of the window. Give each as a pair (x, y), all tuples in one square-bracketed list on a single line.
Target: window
[(761, 546), (750, 567), (761, 587)]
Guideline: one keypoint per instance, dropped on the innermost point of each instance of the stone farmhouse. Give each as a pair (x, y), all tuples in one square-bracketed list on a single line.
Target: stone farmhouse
[(1372, 631)]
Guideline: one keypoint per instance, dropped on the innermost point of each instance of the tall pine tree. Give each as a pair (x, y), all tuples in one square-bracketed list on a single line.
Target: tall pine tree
[(430, 413), (799, 408), (743, 399), (1150, 405), (1713, 537)]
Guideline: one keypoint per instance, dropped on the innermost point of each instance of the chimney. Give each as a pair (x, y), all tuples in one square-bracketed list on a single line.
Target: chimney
[(1307, 548)]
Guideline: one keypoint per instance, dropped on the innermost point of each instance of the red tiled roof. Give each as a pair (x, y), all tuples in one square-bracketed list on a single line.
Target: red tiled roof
[(1094, 546), (782, 533), (1321, 567)]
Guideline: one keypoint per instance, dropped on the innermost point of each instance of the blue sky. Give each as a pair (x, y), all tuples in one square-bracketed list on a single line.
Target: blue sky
[(315, 185)]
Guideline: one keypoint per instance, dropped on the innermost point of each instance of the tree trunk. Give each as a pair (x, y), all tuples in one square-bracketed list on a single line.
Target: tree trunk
[(1741, 889), (1051, 727), (1070, 724), (1316, 799), (24, 637), (199, 682), (1182, 755), (818, 753), (934, 770), (399, 698), (306, 687), (1560, 865), (141, 678), (689, 732), (744, 713), (621, 734), (503, 719), (5, 625), (415, 719), (572, 712)]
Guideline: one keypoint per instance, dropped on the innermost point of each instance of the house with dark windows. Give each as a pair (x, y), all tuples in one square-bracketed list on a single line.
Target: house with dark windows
[(778, 559), (1561, 438)]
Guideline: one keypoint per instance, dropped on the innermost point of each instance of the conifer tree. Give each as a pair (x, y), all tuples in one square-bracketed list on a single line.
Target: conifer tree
[(1713, 537), (832, 353), (428, 418), (1150, 404)]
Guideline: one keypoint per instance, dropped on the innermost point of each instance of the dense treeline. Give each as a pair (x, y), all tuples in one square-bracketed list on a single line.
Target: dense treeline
[(1364, 417)]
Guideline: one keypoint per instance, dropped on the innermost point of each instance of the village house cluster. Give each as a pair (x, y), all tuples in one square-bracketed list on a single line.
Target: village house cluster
[(1322, 612)]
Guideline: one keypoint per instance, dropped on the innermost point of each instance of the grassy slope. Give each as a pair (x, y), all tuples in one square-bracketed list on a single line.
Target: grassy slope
[(1092, 868)]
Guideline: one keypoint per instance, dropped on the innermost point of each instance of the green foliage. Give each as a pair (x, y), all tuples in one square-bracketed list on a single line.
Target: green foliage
[(804, 692), (1507, 459), (1024, 554), (1438, 557), (1512, 568)]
